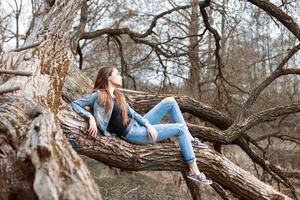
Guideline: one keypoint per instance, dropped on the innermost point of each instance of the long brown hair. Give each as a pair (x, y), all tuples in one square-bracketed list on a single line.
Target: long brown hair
[(101, 84)]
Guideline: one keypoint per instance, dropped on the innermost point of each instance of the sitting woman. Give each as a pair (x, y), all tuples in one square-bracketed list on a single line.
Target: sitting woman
[(112, 114)]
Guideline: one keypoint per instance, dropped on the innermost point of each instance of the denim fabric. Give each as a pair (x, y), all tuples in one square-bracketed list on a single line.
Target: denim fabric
[(139, 135), (101, 115)]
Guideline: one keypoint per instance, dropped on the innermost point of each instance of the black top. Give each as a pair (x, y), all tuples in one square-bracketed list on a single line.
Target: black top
[(115, 121)]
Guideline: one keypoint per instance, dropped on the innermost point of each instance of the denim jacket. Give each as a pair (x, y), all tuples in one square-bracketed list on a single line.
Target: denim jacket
[(101, 116)]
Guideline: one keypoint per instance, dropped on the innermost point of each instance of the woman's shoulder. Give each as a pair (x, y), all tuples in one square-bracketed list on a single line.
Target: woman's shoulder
[(92, 95), (95, 92)]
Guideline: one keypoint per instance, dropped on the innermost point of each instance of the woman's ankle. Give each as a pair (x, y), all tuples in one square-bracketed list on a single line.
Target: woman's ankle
[(193, 167), (196, 173)]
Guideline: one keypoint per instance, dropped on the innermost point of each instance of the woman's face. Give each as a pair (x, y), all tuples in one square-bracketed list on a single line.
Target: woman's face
[(115, 78)]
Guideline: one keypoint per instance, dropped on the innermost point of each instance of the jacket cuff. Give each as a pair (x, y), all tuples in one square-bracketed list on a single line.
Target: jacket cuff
[(145, 121), (142, 120), (79, 110)]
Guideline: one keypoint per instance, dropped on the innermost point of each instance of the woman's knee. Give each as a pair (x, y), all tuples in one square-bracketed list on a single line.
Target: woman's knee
[(181, 129), (168, 100)]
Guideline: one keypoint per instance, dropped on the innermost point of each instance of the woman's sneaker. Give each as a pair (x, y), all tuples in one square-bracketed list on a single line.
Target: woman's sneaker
[(199, 178), (197, 143)]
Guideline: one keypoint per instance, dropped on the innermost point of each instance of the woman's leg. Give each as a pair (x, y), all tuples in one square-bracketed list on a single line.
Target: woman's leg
[(156, 114), (139, 135), (169, 106), (166, 106)]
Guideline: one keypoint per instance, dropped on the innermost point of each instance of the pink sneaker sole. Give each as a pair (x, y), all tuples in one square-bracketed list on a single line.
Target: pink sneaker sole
[(196, 143)]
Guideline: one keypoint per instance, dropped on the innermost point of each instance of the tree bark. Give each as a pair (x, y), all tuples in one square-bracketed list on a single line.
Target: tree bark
[(193, 187), (36, 160), (193, 53)]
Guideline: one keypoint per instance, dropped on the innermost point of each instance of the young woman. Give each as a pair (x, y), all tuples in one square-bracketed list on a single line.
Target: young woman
[(112, 114)]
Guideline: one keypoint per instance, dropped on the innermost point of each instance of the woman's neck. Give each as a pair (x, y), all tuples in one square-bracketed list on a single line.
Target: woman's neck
[(111, 91)]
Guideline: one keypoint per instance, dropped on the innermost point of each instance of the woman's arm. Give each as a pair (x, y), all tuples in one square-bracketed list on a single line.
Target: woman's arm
[(87, 100)]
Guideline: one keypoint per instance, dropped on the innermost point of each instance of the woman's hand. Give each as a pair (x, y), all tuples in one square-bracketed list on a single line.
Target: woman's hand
[(92, 130), (152, 133)]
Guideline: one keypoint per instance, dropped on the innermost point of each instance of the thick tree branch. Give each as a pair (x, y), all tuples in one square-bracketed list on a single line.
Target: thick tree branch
[(260, 87), (127, 31), (144, 103), (274, 11)]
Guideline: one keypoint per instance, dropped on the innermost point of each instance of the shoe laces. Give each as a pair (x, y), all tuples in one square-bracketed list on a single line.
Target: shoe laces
[(201, 175)]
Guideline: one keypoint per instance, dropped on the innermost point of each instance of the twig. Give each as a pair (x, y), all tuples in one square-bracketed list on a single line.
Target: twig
[(136, 188), (9, 90), (19, 73), (26, 47)]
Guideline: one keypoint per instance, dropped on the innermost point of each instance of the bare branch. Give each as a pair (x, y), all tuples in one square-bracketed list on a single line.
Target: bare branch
[(285, 19), (7, 90), (16, 72), (259, 88)]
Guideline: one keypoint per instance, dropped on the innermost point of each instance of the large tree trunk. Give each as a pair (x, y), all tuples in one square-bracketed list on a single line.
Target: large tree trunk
[(36, 160), (193, 53)]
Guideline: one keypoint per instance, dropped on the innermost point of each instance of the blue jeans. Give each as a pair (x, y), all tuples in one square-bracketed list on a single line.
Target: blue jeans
[(138, 133)]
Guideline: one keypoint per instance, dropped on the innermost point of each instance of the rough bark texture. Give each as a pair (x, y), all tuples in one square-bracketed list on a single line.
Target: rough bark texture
[(193, 187), (36, 160)]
